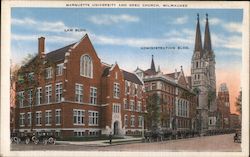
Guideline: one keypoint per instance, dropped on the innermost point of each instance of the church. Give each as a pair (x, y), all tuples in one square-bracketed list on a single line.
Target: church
[(204, 77)]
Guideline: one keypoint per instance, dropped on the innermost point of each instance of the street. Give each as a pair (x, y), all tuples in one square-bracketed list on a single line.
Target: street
[(208, 143)]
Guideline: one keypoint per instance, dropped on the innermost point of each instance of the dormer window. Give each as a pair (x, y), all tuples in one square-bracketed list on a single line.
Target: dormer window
[(86, 66)]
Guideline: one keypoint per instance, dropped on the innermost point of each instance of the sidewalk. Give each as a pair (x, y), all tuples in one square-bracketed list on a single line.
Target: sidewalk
[(102, 142)]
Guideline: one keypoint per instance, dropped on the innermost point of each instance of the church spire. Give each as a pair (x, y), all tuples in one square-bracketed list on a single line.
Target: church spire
[(198, 43), (207, 38), (152, 64)]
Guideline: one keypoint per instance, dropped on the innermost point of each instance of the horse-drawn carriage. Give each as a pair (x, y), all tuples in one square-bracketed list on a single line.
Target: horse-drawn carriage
[(38, 137)]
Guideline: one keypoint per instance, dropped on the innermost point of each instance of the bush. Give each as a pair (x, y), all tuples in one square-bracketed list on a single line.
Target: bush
[(88, 138)]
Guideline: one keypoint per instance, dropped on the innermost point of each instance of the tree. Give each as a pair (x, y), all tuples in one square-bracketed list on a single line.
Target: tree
[(153, 111), (29, 78), (238, 103)]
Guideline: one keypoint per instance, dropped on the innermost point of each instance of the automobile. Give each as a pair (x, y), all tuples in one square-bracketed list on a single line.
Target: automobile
[(45, 138), (237, 136)]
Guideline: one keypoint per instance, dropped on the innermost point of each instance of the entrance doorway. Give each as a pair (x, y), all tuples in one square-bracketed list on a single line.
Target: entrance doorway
[(116, 129)]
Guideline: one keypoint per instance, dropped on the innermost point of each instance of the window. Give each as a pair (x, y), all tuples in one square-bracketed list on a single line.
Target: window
[(140, 121), (31, 76), (126, 120), (132, 105), (139, 106), (79, 92), (29, 118), (197, 64), (78, 117), (132, 121), (58, 116), (39, 118), (198, 76), (30, 97), (126, 87), (93, 95), (153, 86), (59, 69), (20, 98), (116, 108), (48, 117), (39, 96), (93, 118), (58, 92), (21, 119), (48, 93), (116, 90), (126, 106), (116, 75), (48, 73), (86, 66)]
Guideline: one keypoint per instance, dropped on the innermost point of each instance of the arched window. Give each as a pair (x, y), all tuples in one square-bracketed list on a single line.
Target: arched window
[(86, 66)]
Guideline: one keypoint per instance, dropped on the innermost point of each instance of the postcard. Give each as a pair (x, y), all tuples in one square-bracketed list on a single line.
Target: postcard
[(93, 78)]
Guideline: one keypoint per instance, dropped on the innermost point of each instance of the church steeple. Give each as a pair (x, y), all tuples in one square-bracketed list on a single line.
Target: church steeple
[(153, 64), (198, 43), (207, 38)]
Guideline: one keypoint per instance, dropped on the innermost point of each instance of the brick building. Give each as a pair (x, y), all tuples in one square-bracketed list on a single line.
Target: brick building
[(177, 101), (70, 92), (223, 107)]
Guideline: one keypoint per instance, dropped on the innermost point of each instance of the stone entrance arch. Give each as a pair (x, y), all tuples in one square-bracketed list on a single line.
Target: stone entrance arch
[(116, 128)]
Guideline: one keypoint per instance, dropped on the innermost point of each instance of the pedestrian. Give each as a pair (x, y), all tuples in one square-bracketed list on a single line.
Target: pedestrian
[(110, 138)]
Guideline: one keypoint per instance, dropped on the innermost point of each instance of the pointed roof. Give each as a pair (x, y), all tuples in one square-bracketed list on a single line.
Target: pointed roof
[(198, 43), (207, 38), (153, 64)]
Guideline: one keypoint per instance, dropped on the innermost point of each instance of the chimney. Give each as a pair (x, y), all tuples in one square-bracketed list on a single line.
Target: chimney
[(41, 47)]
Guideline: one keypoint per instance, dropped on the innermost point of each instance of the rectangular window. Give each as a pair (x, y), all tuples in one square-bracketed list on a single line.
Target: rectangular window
[(79, 92), (116, 108), (139, 107), (140, 121), (58, 116), (153, 86), (39, 96), (132, 121), (126, 106), (126, 120), (59, 92), (59, 69), (30, 99), (93, 118), (48, 94), (31, 76), (132, 105), (20, 98), (22, 119), (39, 118), (29, 118), (126, 87), (78, 117), (48, 73), (48, 117), (116, 90), (93, 95)]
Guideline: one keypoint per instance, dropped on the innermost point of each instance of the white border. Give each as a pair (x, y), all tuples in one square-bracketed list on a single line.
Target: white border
[(5, 64)]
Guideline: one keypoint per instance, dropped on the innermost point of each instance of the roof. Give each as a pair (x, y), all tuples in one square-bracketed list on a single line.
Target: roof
[(189, 81), (172, 75), (131, 77), (150, 72), (59, 54)]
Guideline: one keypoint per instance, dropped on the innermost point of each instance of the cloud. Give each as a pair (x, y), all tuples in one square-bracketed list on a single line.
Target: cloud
[(230, 42), (233, 27), (112, 19), (44, 26), (181, 20), (214, 21)]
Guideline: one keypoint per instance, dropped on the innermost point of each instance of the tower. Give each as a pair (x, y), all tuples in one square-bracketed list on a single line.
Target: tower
[(203, 75)]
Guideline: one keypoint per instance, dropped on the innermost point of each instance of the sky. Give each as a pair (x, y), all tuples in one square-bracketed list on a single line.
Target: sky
[(122, 35)]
